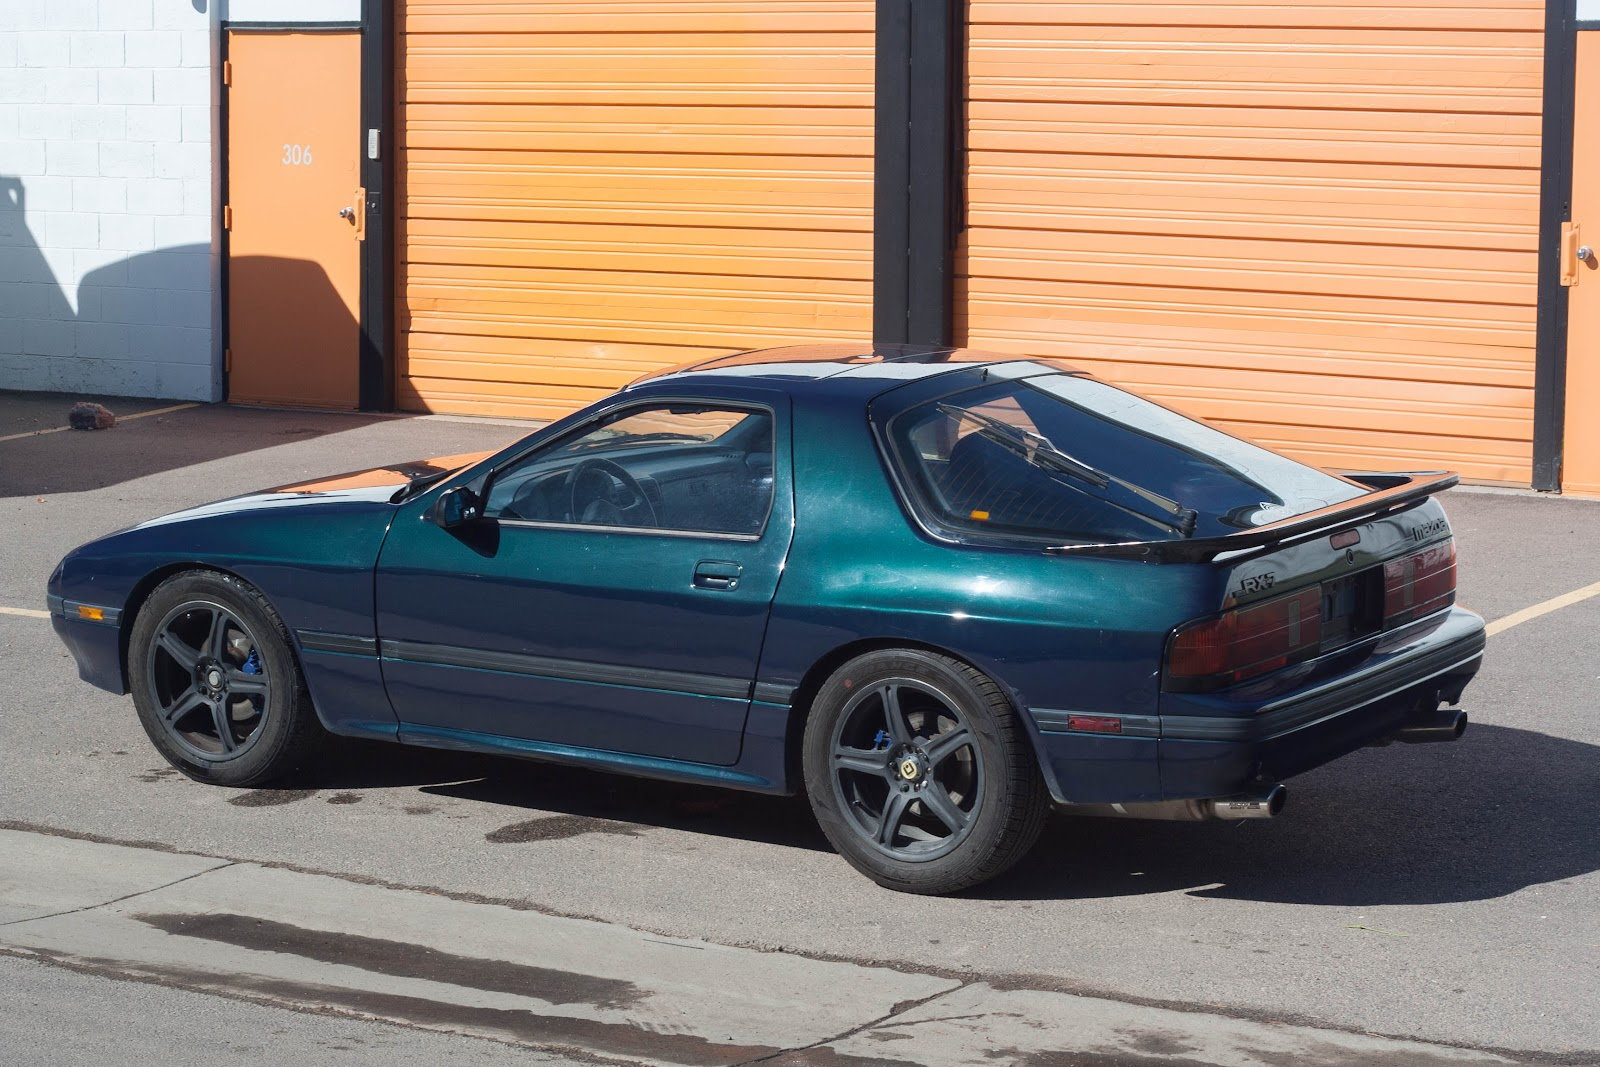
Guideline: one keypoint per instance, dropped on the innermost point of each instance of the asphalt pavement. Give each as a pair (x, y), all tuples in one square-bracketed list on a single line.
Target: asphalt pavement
[(1442, 893)]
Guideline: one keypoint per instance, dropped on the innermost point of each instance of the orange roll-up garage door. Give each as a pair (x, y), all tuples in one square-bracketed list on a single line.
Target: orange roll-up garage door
[(593, 189), (1312, 223)]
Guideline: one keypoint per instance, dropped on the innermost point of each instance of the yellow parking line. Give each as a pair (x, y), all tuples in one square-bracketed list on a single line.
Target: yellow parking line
[(1555, 603), (120, 418), (157, 411), (27, 613)]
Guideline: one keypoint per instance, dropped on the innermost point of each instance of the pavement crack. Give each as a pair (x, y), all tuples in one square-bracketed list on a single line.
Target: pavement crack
[(125, 896), (899, 1009), (885, 1024)]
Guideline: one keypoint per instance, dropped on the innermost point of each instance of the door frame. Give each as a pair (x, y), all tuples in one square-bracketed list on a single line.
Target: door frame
[(375, 306), (1555, 209), (379, 77)]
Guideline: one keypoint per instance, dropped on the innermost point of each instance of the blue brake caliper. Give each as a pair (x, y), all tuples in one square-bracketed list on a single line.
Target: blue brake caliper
[(251, 665), (882, 740)]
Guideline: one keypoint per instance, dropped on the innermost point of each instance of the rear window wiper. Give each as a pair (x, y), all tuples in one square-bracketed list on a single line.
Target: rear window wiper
[(1039, 451)]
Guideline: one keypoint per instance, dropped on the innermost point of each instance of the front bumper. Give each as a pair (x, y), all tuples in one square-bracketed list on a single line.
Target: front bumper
[(1217, 745), (95, 643)]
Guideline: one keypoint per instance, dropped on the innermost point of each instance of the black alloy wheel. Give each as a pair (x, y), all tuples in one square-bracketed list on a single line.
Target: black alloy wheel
[(216, 682), (906, 769), (209, 681), (920, 772)]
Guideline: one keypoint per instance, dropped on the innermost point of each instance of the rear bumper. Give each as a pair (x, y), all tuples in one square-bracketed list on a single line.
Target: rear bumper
[(1219, 745)]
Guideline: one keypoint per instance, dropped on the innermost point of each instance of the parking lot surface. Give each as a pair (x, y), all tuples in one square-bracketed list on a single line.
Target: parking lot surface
[(1446, 893)]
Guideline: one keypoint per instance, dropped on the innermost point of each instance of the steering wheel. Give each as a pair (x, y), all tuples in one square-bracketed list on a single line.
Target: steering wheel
[(596, 486)]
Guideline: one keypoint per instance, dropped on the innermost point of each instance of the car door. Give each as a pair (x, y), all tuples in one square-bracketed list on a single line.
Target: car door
[(614, 594)]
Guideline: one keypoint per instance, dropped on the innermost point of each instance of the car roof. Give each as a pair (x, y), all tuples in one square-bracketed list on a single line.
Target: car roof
[(874, 366)]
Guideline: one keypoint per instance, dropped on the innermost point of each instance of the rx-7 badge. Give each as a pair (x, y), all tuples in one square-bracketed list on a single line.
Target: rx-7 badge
[(1258, 583)]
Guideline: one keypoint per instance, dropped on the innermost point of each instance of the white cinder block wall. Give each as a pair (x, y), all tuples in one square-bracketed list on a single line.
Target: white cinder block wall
[(107, 259)]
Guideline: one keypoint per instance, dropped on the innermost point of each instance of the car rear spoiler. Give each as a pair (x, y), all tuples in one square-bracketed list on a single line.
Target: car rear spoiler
[(1391, 493)]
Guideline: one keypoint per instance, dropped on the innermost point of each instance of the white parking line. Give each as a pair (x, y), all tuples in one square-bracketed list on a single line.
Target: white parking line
[(1555, 603), (27, 613), (120, 418)]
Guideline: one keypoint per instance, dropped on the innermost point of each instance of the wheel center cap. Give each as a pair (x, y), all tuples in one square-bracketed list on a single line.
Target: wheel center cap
[(910, 769), (214, 678)]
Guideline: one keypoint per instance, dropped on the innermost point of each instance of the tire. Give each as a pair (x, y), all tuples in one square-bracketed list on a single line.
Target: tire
[(208, 655), (971, 804)]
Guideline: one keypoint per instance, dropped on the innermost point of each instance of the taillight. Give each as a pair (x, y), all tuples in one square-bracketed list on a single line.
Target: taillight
[(1245, 642), (1418, 585)]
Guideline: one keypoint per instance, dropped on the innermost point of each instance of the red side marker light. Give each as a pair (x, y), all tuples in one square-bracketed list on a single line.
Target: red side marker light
[(1095, 724)]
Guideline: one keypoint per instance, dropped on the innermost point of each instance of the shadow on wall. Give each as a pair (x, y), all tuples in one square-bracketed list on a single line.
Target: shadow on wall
[(142, 325), (141, 328), (31, 303)]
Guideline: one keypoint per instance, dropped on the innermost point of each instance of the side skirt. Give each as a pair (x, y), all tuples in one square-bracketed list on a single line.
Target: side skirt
[(761, 770)]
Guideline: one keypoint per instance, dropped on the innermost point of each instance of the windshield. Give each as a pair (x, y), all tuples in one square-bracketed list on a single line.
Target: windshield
[(1066, 458)]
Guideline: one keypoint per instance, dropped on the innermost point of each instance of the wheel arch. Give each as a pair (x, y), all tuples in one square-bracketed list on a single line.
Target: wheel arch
[(805, 695), (141, 593)]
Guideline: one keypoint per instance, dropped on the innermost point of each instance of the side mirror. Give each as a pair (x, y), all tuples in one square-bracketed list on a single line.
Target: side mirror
[(456, 507)]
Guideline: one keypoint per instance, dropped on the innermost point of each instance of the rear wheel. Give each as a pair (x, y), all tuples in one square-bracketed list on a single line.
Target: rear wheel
[(920, 773), (216, 684)]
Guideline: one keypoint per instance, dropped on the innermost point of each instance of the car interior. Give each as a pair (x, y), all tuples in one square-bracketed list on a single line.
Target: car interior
[(663, 480)]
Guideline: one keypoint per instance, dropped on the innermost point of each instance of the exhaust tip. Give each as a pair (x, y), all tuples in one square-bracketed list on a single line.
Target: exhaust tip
[(1262, 805)]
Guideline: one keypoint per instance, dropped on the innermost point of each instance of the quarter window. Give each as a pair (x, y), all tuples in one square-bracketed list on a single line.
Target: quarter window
[(1060, 458), (691, 468)]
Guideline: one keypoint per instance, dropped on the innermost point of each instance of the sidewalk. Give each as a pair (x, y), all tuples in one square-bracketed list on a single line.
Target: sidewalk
[(326, 944)]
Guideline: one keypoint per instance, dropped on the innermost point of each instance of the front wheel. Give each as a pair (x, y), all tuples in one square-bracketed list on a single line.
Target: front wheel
[(920, 773), (216, 683)]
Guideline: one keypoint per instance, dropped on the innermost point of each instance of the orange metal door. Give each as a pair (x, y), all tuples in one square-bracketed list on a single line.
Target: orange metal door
[(294, 137), (591, 191), (1314, 223), (1580, 466)]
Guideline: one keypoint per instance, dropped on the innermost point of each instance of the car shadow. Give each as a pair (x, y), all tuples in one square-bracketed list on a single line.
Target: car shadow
[(1498, 811), (552, 790)]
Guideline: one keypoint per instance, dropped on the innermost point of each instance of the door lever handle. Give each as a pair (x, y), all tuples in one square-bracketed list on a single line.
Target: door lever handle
[(347, 213), (717, 574)]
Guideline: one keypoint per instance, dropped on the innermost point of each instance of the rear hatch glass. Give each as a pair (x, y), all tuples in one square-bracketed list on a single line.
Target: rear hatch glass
[(1063, 458)]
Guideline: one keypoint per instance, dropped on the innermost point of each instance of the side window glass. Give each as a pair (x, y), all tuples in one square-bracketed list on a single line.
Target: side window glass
[(684, 467)]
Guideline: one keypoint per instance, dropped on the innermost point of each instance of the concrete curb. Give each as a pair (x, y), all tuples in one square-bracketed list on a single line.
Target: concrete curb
[(326, 944)]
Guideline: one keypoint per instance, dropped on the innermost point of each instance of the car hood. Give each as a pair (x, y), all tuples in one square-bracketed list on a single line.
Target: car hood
[(375, 485), (390, 477)]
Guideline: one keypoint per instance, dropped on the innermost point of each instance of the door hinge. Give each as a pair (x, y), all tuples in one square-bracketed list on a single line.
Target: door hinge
[(1571, 234), (227, 72), (227, 217)]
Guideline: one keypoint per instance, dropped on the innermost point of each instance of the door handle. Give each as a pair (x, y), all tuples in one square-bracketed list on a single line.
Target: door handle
[(357, 216), (717, 574)]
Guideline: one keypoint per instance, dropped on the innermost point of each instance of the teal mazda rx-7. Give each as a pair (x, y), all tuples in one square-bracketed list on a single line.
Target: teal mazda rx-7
[(940, 591)]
